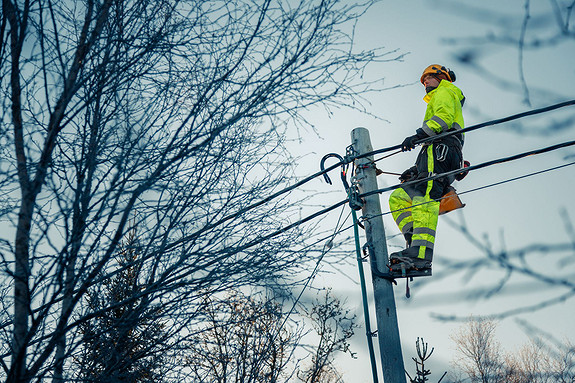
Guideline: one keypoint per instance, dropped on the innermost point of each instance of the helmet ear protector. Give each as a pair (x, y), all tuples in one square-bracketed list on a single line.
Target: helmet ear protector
[(450, 73), (439, 71)]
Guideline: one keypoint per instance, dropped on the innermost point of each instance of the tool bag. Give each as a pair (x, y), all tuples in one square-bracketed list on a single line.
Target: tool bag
[(450, 201)]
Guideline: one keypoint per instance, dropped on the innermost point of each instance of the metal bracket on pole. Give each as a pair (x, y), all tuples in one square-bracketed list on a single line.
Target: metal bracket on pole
[(368, 251)]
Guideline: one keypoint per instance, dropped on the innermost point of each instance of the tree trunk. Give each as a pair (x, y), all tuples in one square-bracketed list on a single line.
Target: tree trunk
[(21, 292)]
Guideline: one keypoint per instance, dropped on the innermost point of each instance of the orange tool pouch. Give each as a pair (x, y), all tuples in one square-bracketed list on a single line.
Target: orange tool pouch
[(450, 201)]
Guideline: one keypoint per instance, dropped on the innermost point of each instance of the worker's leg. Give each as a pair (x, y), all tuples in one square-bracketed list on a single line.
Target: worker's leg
[(423, 217), (400, 206), (425, 206), (425, 212), (425, 209)]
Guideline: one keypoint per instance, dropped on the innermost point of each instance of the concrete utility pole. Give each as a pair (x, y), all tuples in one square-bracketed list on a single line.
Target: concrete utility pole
[(388, 329)]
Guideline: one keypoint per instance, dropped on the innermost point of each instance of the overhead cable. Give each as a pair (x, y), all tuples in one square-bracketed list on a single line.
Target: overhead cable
[(473, 167), (291, 226), (517, 178), (489, 185), (409, 183), (459, 193), (475, 127), (349, 159)]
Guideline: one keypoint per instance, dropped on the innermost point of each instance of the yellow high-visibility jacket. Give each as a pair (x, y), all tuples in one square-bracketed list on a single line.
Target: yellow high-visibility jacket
[(443, 109)]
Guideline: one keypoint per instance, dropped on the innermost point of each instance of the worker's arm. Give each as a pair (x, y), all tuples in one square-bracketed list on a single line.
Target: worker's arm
[(443, 107)]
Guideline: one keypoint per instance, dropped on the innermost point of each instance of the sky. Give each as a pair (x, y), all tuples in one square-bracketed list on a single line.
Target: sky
[(508, 216)]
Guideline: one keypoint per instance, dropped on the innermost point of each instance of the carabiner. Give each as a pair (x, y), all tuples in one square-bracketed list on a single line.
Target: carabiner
[(441, 152)]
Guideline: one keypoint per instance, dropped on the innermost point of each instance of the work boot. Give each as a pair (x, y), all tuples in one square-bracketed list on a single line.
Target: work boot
[(408, 258)]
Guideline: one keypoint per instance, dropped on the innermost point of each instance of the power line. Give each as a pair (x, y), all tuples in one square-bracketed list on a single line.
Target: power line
[(517, 178), (326, 210), (350, 159), (343, 229), (477, 126), (257, 204), (473, 167), (409, 183), (495, 184), (291, 226)]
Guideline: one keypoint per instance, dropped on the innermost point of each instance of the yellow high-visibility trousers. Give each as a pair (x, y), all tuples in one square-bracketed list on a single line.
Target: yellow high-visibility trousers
[(416, 213)]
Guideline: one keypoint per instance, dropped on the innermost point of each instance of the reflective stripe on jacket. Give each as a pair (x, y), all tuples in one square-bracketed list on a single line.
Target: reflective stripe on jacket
[(443, 109)]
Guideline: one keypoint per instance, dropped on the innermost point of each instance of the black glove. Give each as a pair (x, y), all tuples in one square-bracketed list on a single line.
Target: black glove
[(409, 174), (409, 142)]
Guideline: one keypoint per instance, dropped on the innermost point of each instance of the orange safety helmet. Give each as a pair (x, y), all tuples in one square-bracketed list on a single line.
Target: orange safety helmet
[(440, 71)]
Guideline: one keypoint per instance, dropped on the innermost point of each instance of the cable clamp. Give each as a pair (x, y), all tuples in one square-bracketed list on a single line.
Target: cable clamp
[(350, 154), (367, 165), (355, 201)]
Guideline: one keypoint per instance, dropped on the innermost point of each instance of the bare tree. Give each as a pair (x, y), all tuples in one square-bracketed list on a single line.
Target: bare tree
[(243, 339), (165, 114), (539, 362), (515, 267), (532, 27), (252, 339), (334, 325), (479, 353), (481, 359), (527, 365)]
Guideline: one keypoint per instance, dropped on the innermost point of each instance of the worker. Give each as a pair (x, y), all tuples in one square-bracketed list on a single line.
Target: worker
[(415, 208)]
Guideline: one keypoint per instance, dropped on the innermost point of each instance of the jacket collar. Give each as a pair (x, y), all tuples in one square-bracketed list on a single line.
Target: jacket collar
[(442, 84)]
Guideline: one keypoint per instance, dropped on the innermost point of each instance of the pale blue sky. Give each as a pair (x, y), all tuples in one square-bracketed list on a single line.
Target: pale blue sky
[(511, 215)]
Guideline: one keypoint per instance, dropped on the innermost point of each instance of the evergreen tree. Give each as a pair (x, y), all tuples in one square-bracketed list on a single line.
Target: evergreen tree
[(123, 341)]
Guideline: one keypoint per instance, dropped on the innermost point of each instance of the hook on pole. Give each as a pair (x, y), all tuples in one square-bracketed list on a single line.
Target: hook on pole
[(343, 169)]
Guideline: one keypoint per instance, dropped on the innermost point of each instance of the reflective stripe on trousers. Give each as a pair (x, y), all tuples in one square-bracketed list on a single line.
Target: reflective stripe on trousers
[(400, 206)]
